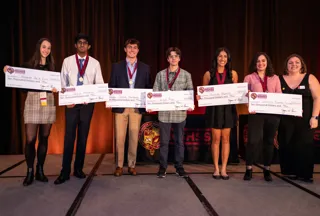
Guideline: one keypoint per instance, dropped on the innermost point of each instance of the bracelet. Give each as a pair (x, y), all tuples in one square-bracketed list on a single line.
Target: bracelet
[(316, 117)]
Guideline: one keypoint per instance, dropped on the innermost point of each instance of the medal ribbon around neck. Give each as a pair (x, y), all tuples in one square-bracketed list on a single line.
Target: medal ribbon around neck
[(224, 74), (132, 73), (170, 84), (83, 69)]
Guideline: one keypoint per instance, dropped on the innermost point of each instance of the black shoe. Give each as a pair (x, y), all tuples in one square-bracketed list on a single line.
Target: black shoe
[(292, 177), (226, 177), (248, 175), (61, 179), (161, 173), (307, 180), (217, 177), (267, 175), (180, 171), (29, 178), (40, 174), (79, 174)]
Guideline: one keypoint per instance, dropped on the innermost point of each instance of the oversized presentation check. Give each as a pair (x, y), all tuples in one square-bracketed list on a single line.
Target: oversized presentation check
[(84, 94), (214, 95), (127, 98), (169, 100), (275, 103), (17, 77)]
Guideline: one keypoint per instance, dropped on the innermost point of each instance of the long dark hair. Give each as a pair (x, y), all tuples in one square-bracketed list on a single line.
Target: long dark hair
[(36, 58), (303, 64), (253, 64), (228, 66)]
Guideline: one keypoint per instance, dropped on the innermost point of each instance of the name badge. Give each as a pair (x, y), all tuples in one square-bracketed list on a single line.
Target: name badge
[(301, 87), (43, 98)]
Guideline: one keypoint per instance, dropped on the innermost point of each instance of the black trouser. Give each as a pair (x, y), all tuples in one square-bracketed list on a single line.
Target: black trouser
[(78, 116), (262, 129), (178, 132), (30, 149), (296, 147)]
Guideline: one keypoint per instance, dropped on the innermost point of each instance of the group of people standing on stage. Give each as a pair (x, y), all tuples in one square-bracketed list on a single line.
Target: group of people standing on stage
[(295, 134)]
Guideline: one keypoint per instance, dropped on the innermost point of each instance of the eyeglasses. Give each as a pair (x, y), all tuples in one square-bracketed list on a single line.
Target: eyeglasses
[(82, 42)]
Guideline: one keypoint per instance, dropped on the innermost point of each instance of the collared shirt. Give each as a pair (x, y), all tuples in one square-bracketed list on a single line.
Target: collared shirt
[(70, 72), (81, 65), (183, 82), (131, 67), (254, 84)]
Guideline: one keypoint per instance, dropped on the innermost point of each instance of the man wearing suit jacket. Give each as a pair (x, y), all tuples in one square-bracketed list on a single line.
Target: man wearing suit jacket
[(78, 69), (128, 73)]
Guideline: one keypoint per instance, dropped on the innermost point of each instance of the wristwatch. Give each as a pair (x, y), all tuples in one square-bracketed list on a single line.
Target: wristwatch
[(316, 117)]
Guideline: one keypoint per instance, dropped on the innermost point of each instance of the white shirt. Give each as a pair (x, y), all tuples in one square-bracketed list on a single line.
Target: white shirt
[(69, 72)]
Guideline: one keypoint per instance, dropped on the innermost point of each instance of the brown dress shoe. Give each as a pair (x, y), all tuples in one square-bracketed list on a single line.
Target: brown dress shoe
[(132, 171), (118, 171)]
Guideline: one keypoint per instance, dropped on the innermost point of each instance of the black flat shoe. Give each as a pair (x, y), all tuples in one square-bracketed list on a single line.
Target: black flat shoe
[(226, 177), (217, 177)]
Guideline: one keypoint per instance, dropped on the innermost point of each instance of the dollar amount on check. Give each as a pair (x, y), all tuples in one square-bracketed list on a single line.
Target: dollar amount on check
[(84, 94), (17, 77), (275, 103), (127, 98), (169, 100), (214, 95)]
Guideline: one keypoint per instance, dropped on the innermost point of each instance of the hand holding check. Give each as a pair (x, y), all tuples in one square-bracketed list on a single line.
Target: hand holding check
[(5, 68), (313, 123), (251, 112)]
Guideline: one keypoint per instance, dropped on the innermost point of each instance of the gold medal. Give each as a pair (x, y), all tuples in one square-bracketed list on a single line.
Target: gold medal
[(80, 79), (130, 82)]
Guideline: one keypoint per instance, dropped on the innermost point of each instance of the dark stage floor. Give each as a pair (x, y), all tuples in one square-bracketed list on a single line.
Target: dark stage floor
[(103, 194)]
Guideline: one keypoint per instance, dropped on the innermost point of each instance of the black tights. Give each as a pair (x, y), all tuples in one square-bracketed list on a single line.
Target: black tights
[(30, 148)]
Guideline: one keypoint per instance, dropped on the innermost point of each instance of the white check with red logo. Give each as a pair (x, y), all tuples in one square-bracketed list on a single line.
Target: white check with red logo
[(226, 94), (170, 100), (84, 94), (127, 98), (275, 103), (17, 77)]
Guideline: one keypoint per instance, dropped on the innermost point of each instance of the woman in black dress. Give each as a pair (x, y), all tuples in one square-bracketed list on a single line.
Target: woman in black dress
[(224, 117), (296, 133)]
